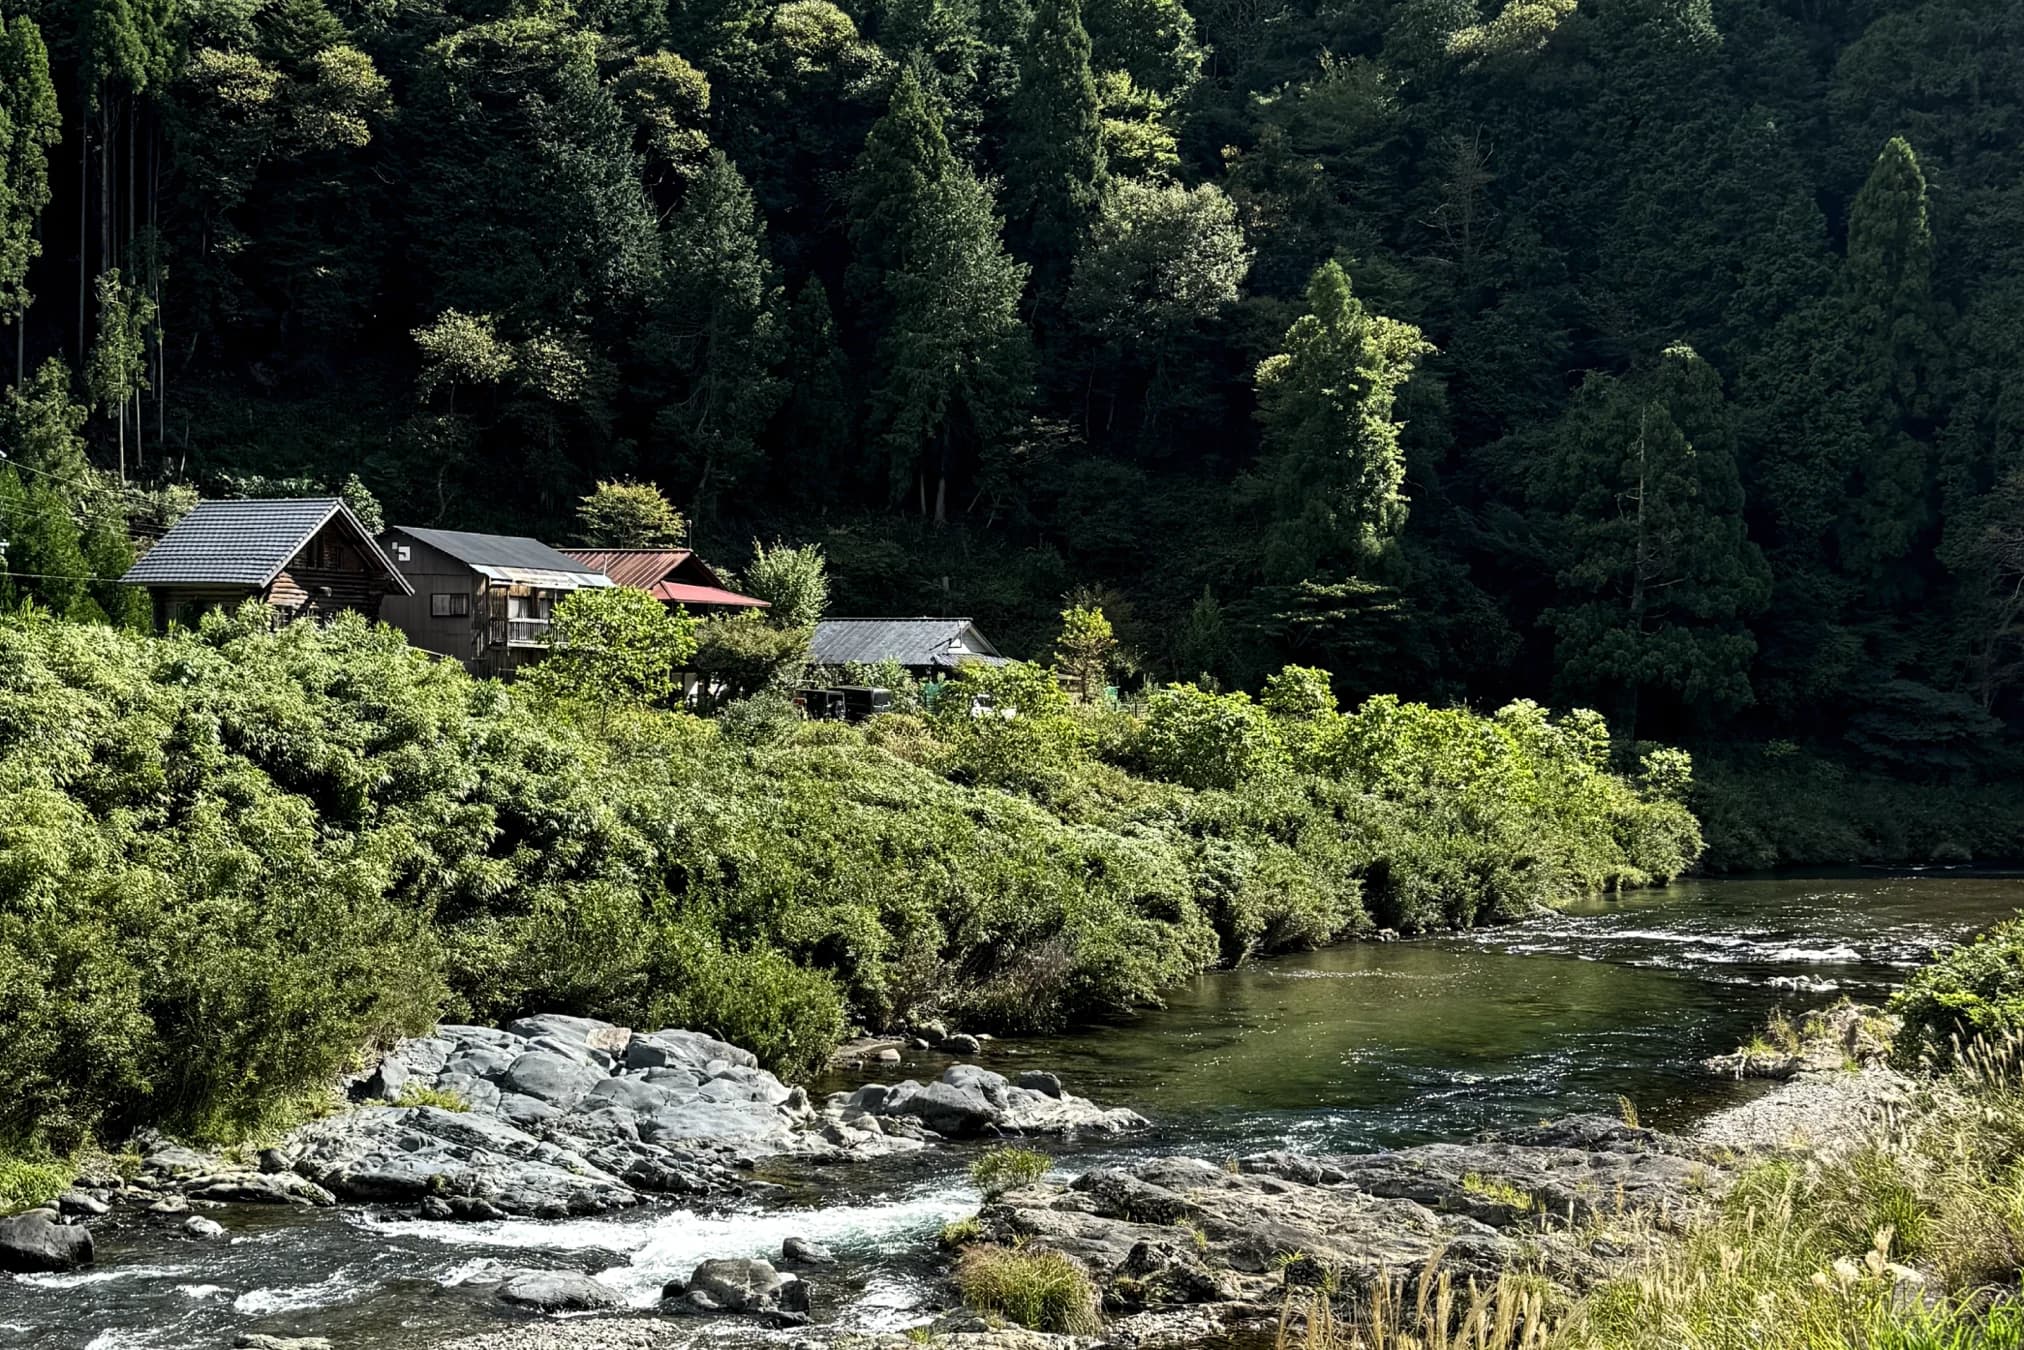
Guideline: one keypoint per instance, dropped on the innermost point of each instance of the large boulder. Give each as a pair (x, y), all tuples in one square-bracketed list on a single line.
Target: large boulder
[(405, 1154), (563, 1115), (968, 1101), (557, 1291), (738, 1285), (556, 1079), (261, 1188), (674, 1047), (35, 1242)]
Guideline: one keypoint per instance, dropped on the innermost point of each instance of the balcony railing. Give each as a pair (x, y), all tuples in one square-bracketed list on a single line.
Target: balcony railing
[(520, 632)]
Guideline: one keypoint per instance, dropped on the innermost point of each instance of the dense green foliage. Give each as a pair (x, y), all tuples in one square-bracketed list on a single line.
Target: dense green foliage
[(231, 857), (1654, 354), (1976, 990)]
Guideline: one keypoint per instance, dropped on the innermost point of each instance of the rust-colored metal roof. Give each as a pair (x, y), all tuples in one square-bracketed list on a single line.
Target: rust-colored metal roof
[(675, 575)]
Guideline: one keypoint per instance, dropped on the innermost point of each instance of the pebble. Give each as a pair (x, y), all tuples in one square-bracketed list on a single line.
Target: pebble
[(598, 1334)]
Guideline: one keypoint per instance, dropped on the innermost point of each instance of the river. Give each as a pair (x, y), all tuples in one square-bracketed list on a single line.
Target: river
[(1356, 1047)]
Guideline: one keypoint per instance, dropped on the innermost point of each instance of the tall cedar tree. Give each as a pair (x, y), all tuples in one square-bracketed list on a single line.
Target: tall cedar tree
[(714, 337), (1054, 164), (1331, 473), (952, 358), (1886, 298), (29, 128), (812, 432), (1644, 518)]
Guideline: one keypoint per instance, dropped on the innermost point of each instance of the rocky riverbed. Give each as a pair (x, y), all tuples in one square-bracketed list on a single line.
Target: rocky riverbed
[(1325, 1116), (584, 1119)]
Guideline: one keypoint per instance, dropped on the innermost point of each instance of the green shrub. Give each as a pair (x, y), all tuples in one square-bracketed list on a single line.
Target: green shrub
[(789, 1016), (27, 1183), (1975, 990), (768, 717), (231, 858), (1008, 1168), (1204, 740), (1041, 1290)]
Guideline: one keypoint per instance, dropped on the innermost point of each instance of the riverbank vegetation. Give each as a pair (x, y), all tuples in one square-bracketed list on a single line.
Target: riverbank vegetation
[(1907, 1235), (1781, 805), (1909, 1239), (232, 857)]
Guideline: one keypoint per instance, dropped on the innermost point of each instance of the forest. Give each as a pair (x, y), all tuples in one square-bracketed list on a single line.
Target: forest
[(1656, 355)]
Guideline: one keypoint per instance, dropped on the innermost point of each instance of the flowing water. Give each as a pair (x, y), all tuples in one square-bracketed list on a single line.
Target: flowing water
[(1356, 1047)]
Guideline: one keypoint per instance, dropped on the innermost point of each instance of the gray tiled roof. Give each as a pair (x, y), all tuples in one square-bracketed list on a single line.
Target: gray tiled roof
[(235, 543), (911, 642), (496, 550)]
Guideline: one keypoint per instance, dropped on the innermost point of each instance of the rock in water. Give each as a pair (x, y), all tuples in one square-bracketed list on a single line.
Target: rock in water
[(801, 1252), (739, 1285), (552, 1291), (34, 1242), (968, 1101), (197, 1226), (262, 1188), (1038, 1080), (77, 1202)]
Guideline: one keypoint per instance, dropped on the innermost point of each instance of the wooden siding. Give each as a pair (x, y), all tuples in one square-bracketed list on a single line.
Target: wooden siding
[(433, 572)]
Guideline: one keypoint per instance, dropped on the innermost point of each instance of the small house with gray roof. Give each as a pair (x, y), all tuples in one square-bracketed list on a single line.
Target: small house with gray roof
[(928, 647), (301, 556), (482, 599)]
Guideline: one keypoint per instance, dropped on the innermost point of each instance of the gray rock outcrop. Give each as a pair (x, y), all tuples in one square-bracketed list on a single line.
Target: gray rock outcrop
[(1175, 1233), (968, 1102), (740, 1285), (35, 1242), (563, 1116)]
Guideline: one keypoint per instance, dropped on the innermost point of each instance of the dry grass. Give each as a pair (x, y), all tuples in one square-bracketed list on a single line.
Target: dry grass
[(1510, 1313), (1911, 1240)]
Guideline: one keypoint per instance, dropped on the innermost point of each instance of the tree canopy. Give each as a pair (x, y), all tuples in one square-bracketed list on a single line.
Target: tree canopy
[(1309, 335)]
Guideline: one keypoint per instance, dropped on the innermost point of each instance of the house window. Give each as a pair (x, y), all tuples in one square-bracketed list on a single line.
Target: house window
[(453, 605)]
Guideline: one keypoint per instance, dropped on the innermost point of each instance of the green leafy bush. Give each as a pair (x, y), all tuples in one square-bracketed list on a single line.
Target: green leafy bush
[(1975, 990), (1204, 740), (231, 858), (789, 1016), (26, 1183)]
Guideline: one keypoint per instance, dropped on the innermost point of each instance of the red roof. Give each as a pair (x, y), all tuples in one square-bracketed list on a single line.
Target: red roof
[(676, 592), (675, 575)]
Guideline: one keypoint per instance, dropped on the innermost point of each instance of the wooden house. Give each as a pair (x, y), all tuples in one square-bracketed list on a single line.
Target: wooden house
[(301, 556), (928, 647), (482, 599)]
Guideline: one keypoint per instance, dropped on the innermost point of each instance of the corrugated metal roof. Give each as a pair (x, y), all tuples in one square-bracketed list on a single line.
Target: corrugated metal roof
[(639, 568), (244, 542), (501, 551), (544, 578), (911, 642), (675, 575), (682, 593)]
